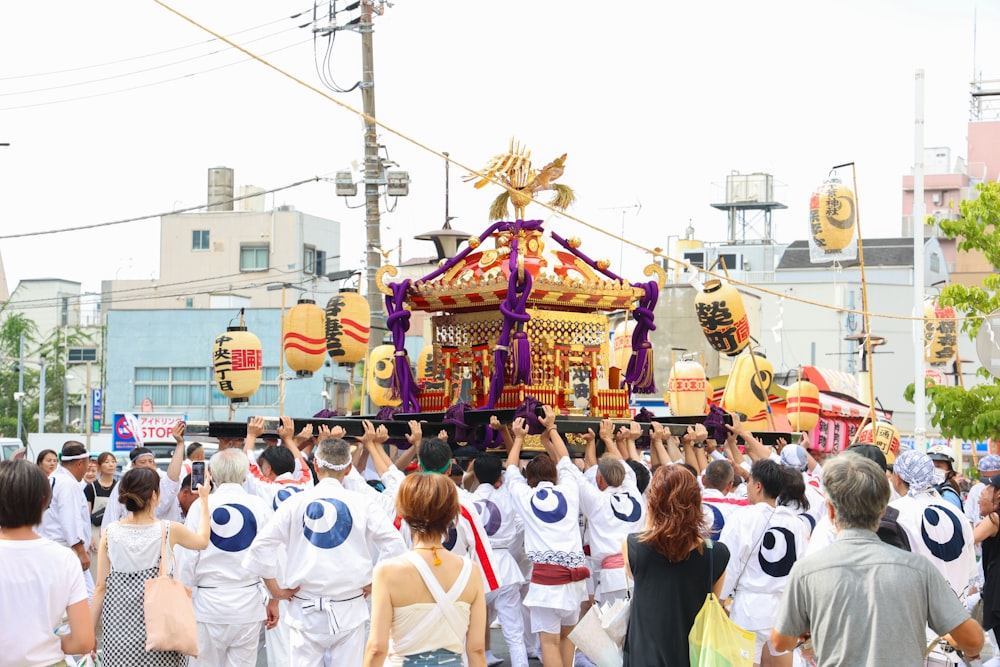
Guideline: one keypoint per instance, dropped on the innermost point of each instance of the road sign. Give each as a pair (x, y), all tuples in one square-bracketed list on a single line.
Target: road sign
[(97, 408), (155, 428)]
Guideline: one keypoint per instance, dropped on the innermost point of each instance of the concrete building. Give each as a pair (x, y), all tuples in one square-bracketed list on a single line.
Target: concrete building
[(233, 257)]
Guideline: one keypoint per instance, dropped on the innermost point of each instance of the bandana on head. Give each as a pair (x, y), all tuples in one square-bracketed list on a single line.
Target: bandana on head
[(989, 463), (332, 466), (916, 469), (794, 456), (64, 457)]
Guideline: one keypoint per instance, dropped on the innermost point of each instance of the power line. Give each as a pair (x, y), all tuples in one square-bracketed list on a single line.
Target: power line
[(158, 215), (147, 55)]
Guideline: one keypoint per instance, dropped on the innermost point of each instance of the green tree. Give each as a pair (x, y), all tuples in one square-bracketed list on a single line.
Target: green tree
[(12, 328), (974, 413)]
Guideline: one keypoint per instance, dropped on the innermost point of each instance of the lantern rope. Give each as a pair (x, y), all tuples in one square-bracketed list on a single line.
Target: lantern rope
[(654, 252)]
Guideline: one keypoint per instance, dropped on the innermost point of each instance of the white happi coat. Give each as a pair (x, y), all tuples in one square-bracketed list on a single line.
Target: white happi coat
[(168, 509), (66, 521), (550, 514), (324, 525), (224, 591), (717, 508), (391, 479), (612, 514), (938, 531), (502, 526), (764, 542)]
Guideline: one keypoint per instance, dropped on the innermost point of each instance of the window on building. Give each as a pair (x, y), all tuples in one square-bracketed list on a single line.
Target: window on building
[(189, 302), (180, 386), (81, 355), (254, 257), (64, 311), (309, 259), (935, 262), (199, 239), (266, 394), (320, 262)]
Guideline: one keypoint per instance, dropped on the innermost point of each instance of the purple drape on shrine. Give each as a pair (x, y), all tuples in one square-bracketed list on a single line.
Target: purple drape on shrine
[(404, 387)]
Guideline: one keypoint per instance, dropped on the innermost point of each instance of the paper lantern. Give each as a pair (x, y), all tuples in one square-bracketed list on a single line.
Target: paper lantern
[(238, 363), (303, 341), (380, 366), (885, 436), (686, 388), (348, 323), (425, 365), (802, 405), (623, 344), (747, 388), (832, 216), (939, 333), (722, 317)]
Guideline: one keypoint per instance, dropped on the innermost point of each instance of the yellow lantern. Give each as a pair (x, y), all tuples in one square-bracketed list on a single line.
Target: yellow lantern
[(623, 344), (238, 363), (832, 216), (302, 340), (939, 333), (348, 325), (802, 405), (380, 367), (886, 438), (722, 317), (425, 365), (747, 388), (686, 388)]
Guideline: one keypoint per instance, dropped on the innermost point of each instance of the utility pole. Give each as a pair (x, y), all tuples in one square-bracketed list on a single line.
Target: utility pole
[(373, 174), (41, 397), (20, 387)]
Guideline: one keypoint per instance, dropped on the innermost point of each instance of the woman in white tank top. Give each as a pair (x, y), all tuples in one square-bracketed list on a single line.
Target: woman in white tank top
[(428, 606)]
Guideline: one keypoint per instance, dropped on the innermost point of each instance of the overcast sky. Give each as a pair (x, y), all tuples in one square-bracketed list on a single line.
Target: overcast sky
[(655, 103)]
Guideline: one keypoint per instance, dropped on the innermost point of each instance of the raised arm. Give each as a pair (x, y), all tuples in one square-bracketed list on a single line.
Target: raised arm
[(634, 433), (551, 439), (519, 429), (255, 428), (590, 449), (657, 454), (174, 468), (373, 440), (755, 450)]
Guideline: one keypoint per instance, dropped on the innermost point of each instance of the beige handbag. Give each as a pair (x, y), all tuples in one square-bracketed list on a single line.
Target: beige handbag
[(169, 612)]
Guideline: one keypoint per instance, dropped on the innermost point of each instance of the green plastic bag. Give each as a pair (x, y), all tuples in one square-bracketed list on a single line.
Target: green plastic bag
[(715, 641)]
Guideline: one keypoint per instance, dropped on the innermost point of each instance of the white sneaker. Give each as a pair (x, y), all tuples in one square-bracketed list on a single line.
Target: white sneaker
[(492, 660)]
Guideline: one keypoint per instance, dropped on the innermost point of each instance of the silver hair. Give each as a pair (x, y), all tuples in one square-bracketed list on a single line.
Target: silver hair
[(229, 467), (858, 490), (611, 470), (334, 450)]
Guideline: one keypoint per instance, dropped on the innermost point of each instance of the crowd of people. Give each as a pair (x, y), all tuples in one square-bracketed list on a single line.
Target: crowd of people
[(320, 549)]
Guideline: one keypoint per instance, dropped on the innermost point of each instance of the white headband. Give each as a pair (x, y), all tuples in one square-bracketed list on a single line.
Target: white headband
[(75, 457), (332, 466)]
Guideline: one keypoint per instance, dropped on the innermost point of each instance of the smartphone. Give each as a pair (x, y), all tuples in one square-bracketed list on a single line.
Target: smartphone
[(540, 411), (197, 474)]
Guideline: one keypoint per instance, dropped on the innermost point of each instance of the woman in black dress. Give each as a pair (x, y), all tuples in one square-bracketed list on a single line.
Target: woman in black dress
[(670, 564), (986, 534)]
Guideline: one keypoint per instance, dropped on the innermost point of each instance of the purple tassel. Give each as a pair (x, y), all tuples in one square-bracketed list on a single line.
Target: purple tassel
[(404, 387), (639, 373), (522, 358)]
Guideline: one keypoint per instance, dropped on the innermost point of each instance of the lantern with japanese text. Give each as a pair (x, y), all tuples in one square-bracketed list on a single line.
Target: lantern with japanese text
[(623, 344), (885, 436), (747, 387), (722, 317), (686, 388), (939, 333), (381, 364), (302, 339), (832, 216), (238, 362), (348, 323), (802, 405), (425, 365)]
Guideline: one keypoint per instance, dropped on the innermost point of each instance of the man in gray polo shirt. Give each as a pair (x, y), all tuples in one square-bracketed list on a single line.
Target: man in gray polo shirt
[(863, 601)]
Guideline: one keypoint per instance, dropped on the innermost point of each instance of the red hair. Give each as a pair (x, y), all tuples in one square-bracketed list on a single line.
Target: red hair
[(674, 520)]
